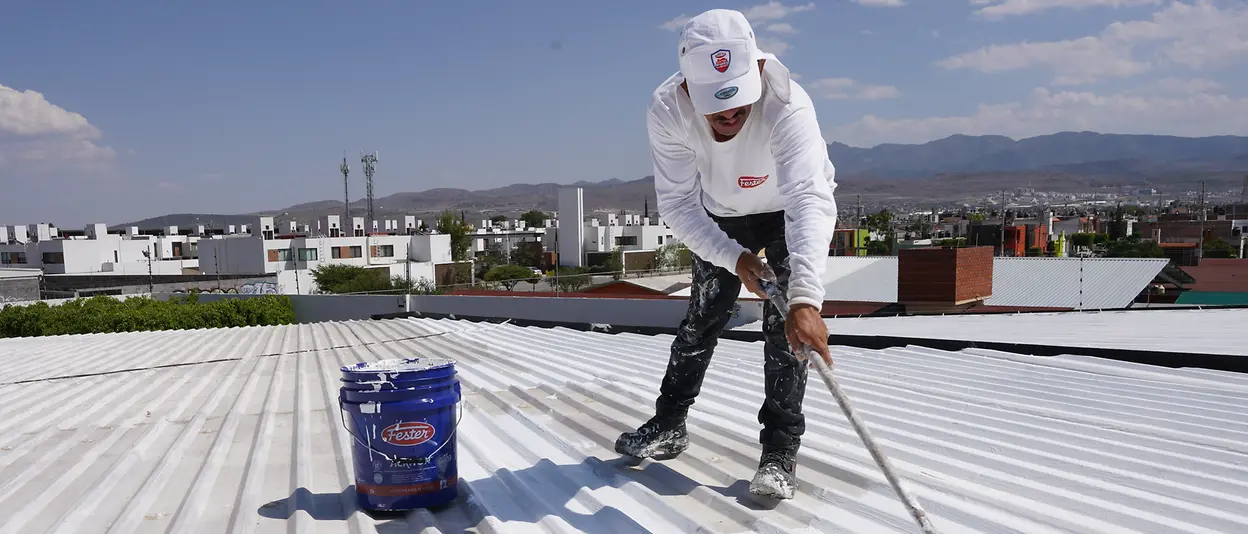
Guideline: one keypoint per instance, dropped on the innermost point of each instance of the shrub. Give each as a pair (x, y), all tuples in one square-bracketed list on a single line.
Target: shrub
[(103, 314)]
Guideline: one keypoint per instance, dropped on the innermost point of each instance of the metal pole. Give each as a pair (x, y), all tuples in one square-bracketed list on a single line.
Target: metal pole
[(829, 380)]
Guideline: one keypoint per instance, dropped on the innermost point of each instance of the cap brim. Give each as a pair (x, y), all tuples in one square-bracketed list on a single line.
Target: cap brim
[(719, 96)]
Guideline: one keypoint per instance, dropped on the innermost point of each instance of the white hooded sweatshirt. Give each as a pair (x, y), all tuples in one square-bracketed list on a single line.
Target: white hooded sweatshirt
[(778, 161)]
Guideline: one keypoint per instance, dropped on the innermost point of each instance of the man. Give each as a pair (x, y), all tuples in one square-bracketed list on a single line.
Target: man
[(740, 167)]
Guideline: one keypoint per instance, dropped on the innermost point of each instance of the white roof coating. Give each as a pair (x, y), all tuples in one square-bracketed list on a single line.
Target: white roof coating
[(1204, 331), (237, 431), (1079, 283)]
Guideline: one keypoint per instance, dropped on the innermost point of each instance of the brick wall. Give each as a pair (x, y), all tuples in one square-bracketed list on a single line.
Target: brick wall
[(952, 276)]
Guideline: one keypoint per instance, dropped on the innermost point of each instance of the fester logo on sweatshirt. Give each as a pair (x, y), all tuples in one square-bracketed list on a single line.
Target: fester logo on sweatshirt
[(747, 182)]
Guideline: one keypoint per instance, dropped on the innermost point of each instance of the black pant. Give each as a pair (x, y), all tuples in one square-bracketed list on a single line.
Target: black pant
[(714, 294)]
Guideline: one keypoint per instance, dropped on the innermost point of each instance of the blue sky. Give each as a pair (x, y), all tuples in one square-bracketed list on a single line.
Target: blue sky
[(127, 110)]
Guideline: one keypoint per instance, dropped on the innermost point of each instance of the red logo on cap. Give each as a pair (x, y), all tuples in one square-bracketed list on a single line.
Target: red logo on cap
[(721, 59), (752, 181)]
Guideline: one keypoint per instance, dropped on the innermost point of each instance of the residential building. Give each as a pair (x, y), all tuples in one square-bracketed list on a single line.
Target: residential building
[(290, 255), (97, 250), (577, 239)]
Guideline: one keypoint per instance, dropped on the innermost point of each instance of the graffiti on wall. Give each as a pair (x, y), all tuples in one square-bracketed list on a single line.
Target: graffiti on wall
[(258, 288)]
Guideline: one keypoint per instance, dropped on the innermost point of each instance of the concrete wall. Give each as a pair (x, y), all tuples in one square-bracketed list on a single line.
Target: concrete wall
[(630, 312), (608, 311), (321, 308), (19, 289)]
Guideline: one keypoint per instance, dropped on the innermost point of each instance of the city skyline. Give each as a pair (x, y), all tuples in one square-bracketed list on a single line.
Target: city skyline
[(120, 114)]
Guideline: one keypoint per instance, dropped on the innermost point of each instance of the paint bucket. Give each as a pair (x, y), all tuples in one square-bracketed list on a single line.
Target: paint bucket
[(402, 421)]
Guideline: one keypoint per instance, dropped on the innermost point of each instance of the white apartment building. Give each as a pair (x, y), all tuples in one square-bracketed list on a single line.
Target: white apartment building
[(292, 254), (96, 251), (506, 234), (574, 237)]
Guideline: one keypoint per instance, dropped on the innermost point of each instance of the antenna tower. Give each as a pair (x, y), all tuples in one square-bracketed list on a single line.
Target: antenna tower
[(346, 192), (370, 167)]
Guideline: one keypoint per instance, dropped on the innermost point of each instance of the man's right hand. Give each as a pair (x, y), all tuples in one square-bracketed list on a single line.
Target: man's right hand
[(751, 269)]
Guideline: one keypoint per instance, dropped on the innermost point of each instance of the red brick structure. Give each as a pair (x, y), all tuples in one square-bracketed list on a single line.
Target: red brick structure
[(943, 277)]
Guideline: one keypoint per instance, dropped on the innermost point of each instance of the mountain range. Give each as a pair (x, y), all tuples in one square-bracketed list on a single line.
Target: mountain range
[(958, 166)]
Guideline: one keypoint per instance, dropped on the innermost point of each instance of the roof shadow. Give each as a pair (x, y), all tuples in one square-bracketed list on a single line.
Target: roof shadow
[(532, 495)]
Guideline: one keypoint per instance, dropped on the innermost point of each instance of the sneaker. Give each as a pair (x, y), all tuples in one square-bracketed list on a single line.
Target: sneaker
[(659, 437), (777, 475)]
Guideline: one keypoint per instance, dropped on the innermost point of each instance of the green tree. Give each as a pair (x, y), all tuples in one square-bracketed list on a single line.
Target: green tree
[(534, 218), (670, 256), (615, 264), (1133, 247), (458, 230), (571, 278), (882, 223), (337, 278), (1219, 248), (510, 275)]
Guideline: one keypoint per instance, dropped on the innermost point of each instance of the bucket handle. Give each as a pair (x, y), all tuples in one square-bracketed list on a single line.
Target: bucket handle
[(416, 460)]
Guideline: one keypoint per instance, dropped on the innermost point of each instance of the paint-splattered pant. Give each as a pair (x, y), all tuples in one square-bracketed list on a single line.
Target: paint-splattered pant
[(714, 294)]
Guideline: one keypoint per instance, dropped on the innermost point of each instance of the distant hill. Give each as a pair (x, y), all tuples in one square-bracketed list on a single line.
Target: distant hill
[(952, 167), (1072, 152)]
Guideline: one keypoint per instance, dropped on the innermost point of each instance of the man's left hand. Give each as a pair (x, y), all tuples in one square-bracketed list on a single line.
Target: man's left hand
[(804, 326)]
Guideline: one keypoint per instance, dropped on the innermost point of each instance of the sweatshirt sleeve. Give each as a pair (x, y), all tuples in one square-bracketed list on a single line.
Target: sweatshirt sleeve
[(806, 180), (679, 193)]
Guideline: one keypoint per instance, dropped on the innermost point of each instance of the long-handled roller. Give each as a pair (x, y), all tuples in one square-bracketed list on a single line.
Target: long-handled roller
[(778, 299)]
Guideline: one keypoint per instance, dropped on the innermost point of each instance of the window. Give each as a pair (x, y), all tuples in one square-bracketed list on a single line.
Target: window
[(383, 251), (8, 258), (347, 252), (53, 258), (660, 240), (116, 257), (307, 254), (626, 240), (279, 254)]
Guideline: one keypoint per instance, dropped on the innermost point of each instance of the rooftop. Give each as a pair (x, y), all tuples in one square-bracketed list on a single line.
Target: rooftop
[(1076, 283), (237, 430)]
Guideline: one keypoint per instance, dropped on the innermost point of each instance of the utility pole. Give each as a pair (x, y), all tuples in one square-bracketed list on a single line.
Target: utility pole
[(346, 191), (1002, 223), (147, 253), (1200, 248)]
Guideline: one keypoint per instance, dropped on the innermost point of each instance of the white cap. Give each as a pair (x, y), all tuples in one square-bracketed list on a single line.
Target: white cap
[(719, 61)]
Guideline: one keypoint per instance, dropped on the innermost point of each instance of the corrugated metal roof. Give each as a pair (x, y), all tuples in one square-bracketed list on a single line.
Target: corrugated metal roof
[(1079, 283), (1208, 331), (246, 438)]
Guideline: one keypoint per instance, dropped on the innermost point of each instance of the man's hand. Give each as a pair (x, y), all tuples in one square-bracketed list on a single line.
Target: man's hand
[(751, 269), (804, 326)]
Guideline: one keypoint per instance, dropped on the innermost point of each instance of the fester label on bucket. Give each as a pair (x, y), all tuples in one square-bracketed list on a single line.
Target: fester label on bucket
[(407, 434)]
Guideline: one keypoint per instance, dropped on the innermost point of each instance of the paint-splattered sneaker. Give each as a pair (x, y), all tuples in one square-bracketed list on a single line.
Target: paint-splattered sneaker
[(777, 475), (659, 438)]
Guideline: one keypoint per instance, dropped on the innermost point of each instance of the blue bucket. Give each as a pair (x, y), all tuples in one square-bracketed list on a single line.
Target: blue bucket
[(403, 428)]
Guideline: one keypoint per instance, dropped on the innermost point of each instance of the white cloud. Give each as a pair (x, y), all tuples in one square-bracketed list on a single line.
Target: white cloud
[(763, 17), (29, 113), (773, 11), (676, 23), (846, 88), (1195, 35), (998, 9), (772, 45), (40, 133), (1172, 107), (881, 3)]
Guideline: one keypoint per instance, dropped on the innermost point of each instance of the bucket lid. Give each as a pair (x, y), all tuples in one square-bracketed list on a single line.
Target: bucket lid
[(399, 365)]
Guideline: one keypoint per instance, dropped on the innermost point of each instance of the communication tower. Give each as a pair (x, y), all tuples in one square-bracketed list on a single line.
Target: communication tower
[(370, 167), (346, 192)]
